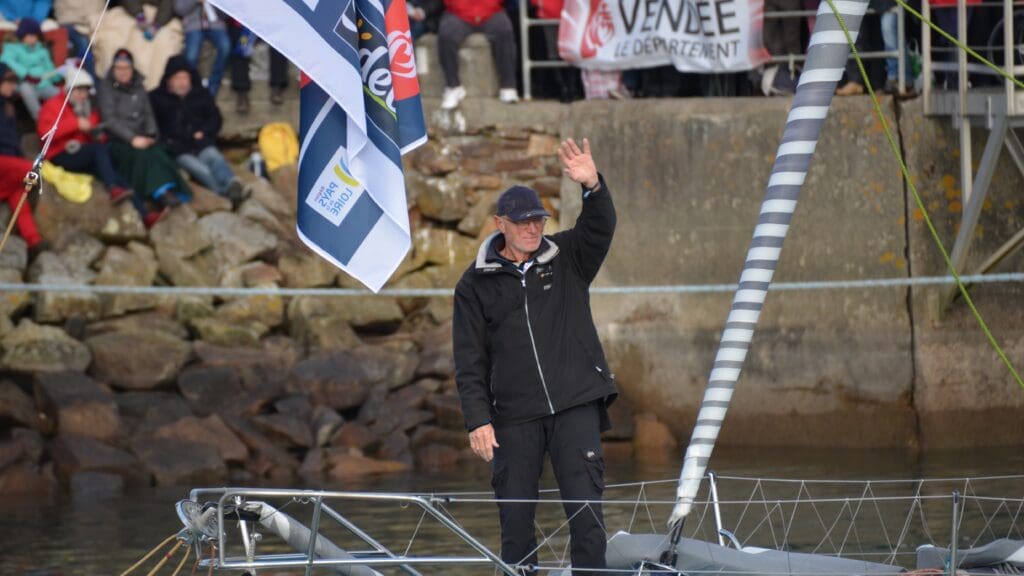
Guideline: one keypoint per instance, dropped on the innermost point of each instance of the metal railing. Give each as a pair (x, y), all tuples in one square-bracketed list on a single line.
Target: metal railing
[(379, 555), (526, 23)]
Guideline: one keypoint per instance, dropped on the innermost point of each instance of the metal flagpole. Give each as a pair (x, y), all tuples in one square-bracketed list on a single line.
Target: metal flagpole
[(827, 55)]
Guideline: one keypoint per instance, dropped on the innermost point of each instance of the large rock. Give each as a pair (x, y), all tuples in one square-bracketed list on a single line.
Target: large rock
[(142, 412), (442, 199), (235, 239), (342, 379), (123, 225), (287, 430), (313, 322), (180, 234), (134, 266), (138, 360), (436, 353), (188, 271), (433, 160), (484, 208), (355, 435), (73, 454), (447, 410), (445, 247), (78, 250), (265, 310), (52, 307), (210, 389), (173, 462), (344, 467), (326, 421), (263, 192), (226, 332), (268, 459), (77, 406), (144, 322), (253, 210), (33, 348), (369, 312), (210, 431), (96, 216), (16, 407), (436, 458), (205, 201), (286, 182), (304, 269), (252, 275)]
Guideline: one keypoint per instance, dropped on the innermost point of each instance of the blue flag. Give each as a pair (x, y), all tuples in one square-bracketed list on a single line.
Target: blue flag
[(360, 111)]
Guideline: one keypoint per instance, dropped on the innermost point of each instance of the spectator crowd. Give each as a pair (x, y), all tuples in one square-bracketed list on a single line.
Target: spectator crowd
[(140, 116)]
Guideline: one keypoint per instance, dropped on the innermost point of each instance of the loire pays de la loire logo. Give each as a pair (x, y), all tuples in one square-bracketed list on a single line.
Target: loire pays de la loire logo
[(334, 198)]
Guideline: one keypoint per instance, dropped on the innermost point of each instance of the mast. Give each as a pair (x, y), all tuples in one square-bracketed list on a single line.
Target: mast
[(827, 55)]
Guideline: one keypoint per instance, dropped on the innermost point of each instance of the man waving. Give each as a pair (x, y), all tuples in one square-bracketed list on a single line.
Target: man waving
[(529, 366)]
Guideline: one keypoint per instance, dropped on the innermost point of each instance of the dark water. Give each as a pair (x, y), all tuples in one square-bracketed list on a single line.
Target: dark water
[(68, 536)]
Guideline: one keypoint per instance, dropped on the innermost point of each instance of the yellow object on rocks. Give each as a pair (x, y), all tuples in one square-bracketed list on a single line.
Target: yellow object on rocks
[(72, 186), (279, 145)]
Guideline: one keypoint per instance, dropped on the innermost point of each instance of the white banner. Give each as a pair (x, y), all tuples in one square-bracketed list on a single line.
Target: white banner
[(693, 35)]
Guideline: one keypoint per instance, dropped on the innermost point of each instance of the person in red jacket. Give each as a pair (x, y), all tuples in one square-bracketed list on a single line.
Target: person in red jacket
[(13, 164), (78, 144), (462, 18)]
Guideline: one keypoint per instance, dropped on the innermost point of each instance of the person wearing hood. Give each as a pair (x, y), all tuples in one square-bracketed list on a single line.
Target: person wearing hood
[(189, 122), (13, 164), (30, 60), (78, 142), (129, 120)]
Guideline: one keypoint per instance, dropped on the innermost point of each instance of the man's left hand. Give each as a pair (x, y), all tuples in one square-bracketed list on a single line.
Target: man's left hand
[(578, 164)]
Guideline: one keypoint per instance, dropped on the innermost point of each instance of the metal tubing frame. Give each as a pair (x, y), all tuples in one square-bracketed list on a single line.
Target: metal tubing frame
[(980, 183), (226, 494), (713, 487), (362, 535), (955, 535)]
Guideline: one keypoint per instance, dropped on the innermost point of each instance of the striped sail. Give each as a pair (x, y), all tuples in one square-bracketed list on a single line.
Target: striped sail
[(826, 60)]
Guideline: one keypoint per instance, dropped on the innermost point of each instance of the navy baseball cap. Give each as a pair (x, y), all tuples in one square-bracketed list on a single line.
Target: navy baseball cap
[(520, 203)]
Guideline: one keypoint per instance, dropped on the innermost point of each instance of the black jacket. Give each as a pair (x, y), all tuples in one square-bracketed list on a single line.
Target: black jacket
[(10, 140), (525, 344), (180, 118)]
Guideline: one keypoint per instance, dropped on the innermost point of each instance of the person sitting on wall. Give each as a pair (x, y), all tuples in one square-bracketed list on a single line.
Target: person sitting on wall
[(189, 122), (13, 164), (78, 142), (462, 18), (30, 60), (128, 118)]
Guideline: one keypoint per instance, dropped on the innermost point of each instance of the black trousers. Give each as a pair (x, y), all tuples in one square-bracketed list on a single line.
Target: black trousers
[(572, 439), (240, 81), (453, 31), (92, 159)]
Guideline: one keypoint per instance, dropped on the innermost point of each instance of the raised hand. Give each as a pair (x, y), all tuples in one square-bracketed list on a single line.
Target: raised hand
[(578, 164)]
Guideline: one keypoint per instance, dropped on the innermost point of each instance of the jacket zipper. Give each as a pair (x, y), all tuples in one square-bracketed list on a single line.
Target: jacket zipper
[(533, 344)]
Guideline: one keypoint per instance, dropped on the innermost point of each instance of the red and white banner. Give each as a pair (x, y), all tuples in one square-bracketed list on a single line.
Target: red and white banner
[(692, 35)]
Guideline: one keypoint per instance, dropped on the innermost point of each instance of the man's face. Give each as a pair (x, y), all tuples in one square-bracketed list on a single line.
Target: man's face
[(123, 72), (180, 83), (8, 87), (80, 94), (523, 236)]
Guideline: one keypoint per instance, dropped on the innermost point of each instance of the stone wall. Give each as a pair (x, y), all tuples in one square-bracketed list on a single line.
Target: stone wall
[(104, 390)]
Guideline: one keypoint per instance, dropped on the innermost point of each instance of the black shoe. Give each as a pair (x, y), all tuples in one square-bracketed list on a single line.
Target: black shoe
[(235, 193), (38, 248)]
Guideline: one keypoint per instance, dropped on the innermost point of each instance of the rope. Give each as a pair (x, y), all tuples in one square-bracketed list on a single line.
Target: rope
[(188, 552), (913, 188), (166, 557), (149, 554), (223, 291)]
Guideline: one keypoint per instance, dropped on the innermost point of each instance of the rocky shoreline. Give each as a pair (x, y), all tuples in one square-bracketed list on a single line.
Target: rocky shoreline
[(99, 391)]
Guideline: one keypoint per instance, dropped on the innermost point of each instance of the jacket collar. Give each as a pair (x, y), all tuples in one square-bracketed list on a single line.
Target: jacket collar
[(487, 259)]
